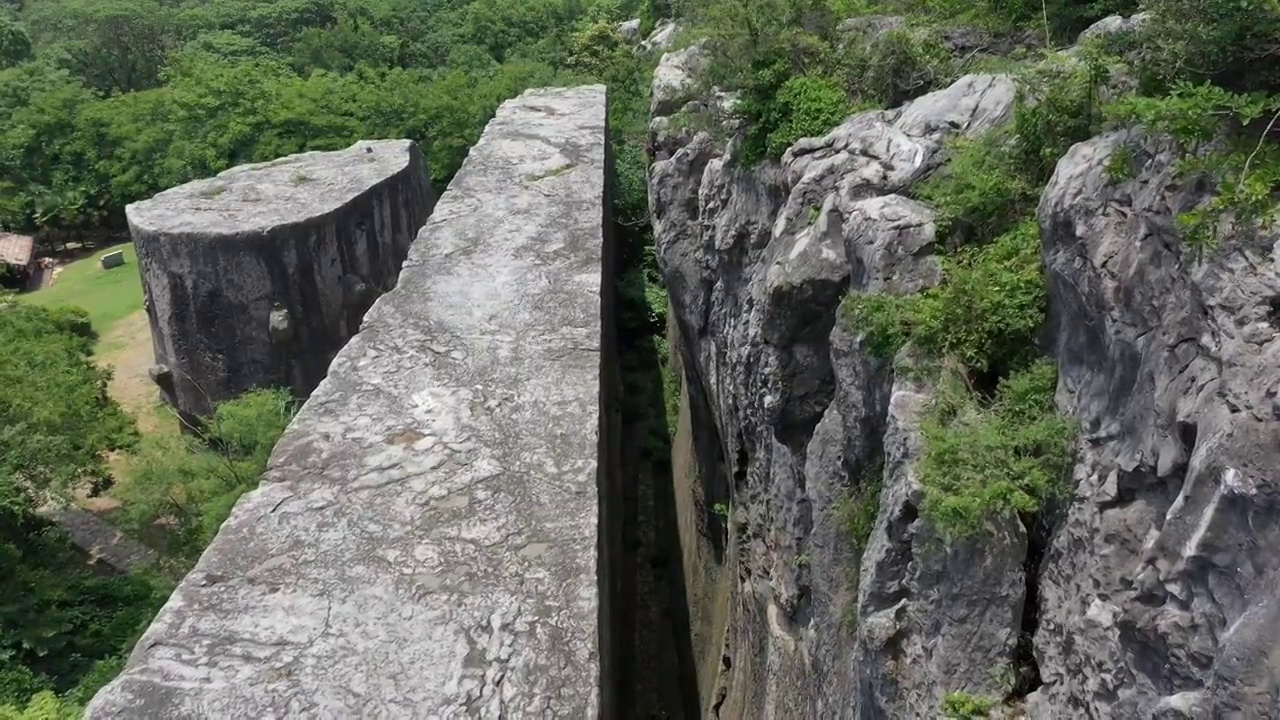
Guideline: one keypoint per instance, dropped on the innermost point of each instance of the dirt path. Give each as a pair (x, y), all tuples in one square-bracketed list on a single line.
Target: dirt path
[(130, 355)]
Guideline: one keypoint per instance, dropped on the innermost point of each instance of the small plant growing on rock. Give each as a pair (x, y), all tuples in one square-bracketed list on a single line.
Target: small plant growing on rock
[(1207, 122), (805, 106), (994, 460), (984, 316), (961, 705)]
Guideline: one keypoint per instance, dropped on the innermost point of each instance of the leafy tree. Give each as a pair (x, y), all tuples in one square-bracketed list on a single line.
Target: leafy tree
[(55, 417), (113, 45), (56, 617), (188, 485), (15, 44)]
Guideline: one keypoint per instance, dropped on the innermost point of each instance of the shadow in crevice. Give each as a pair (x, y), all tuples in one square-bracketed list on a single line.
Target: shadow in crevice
[(663, 679)]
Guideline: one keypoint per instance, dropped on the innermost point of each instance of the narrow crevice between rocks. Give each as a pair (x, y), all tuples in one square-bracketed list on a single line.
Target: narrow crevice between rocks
[(1026, 678), (658, 676)]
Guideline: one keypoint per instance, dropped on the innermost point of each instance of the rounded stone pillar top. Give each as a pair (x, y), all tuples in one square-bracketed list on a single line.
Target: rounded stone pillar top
[(255, 198)]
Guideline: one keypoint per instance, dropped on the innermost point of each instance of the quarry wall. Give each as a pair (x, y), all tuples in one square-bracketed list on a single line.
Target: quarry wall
[(425, 541)]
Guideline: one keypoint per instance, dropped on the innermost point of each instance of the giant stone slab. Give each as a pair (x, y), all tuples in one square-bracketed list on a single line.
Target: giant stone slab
[(425, 541), (258, 276)]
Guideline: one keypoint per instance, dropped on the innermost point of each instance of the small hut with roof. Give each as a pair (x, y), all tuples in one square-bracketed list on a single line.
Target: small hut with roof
[(17, 260)]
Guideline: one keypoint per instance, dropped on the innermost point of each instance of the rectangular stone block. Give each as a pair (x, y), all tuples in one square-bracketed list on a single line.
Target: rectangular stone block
[(113, 260), (425, 542)]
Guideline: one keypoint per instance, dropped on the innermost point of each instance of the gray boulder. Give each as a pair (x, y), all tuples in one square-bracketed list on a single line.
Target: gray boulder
[(662, 37), (630, 30), (1112, 25), (675, 79)]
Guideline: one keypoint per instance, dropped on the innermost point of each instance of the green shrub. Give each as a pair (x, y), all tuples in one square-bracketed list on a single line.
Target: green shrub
[(17, 682), (42, 706), (981, 191), (806, 106), (756, 47), (1058, 106), (859, 510), (993, 461), (1061, 19), (186, 486), (893, 67), (1207, 122), (985, 314), (1231, 43), (965, 706)]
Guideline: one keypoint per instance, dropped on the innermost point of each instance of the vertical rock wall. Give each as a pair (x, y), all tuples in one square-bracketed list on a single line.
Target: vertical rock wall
[(788, 416), (260, 275), (426, 540), (1157, 595)]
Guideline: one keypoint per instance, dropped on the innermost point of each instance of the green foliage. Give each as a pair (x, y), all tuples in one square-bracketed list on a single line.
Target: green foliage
[(42, 706), (986, 462), (1234, 44), (891, 68), (1060, 20), (55, 417), (982, 191), (15, 44), (1058, 106), (756, 47), (113, 45), (805, 106), (985, 314), (858, 511), (185, 487), (57, 617), (961, 705), (1207, 122)]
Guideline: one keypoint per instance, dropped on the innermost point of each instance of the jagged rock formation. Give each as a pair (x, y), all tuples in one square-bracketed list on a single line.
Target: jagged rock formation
[(1157, 596), (756, 262), (260, 275), (1159, 591), (425, 541)]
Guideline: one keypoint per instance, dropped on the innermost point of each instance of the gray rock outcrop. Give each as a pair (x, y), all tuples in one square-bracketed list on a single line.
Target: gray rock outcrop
[(425, 541), (797, 415), (662, 37), (1159, 591), (1151, 591), (257, 277), (675, 79)]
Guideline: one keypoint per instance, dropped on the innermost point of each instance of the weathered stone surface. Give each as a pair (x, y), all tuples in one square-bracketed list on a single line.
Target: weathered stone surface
[(789, 414), (630, 30), (1159, 591), (934, 615), (675, 79), (318, 234), (662, 37), (1113, 24), (425, 542), (112, 260)]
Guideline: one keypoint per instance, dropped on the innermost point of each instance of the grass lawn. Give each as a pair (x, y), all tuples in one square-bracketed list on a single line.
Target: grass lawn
[(109, 295)]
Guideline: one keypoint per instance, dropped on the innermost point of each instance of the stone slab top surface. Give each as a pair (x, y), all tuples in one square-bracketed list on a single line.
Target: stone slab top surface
[(258, 197), (424, 543)]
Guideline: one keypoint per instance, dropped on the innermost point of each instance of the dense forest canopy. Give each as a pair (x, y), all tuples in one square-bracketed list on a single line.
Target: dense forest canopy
[(104, 103)]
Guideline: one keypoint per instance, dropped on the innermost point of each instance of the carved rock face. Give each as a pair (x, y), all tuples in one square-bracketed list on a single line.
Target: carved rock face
[(245, 273)]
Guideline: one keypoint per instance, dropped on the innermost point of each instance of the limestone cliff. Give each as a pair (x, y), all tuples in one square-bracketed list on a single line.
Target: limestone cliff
[(1155, 595)]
